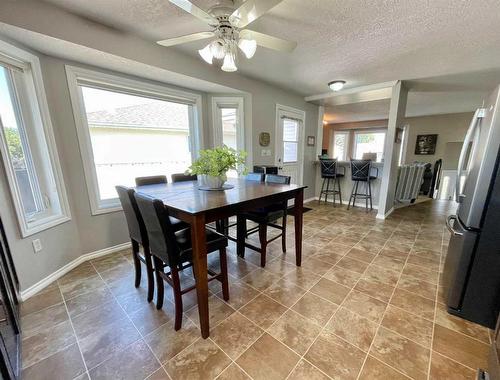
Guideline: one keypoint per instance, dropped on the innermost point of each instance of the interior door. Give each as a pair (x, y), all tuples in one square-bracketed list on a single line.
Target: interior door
[(289, 158)]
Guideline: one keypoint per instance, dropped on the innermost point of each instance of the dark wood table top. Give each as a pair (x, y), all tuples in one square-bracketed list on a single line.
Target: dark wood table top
[(186, 197)]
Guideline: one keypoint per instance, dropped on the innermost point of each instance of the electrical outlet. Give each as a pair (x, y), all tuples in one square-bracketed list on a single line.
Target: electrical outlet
[(37, 245), (265, 152)]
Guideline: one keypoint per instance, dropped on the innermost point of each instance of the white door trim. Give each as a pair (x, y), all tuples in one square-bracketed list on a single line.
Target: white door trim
[(294, 113)]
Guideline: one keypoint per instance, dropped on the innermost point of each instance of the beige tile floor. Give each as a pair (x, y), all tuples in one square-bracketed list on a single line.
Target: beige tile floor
[(366, 304)]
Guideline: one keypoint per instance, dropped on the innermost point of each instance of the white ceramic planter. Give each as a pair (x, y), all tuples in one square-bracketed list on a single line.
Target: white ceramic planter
[(212, 182)]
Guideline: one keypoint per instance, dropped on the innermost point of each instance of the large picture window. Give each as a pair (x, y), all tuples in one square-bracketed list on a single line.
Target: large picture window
[(27, 144), (128, 132), (340, 144), (368, 144)]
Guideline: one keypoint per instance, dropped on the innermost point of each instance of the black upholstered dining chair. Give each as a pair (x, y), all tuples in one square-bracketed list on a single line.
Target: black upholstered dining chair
[(181, 177), (264, 217), (138, 237), (173, 249), (361, 173), (157, 180), (330, 172), (151, 180)]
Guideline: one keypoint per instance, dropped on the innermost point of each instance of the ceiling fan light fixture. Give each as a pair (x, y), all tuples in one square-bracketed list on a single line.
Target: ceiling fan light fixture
[(218, 49), (229, 64), (336, 85), (206, 54), (248, 47)]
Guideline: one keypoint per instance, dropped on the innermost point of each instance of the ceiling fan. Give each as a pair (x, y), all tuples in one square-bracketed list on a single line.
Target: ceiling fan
[(228, 33)]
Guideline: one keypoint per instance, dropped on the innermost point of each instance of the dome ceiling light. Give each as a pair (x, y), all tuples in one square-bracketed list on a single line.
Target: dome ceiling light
[(336, 85)]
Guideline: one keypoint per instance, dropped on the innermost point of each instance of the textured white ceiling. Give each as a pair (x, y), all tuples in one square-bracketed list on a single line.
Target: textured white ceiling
[(362, 42)]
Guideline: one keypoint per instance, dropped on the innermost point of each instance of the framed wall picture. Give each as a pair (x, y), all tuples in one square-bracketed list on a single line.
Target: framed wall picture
[(426, 144), (311, 140)]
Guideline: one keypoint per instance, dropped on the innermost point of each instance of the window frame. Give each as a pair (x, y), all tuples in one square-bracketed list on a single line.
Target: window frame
[(219, 102), (77, 76), (33, 110), (368, 131), (347, 144)]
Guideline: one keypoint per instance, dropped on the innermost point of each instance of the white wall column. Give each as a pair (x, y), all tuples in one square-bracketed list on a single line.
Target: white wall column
[(391, 150)]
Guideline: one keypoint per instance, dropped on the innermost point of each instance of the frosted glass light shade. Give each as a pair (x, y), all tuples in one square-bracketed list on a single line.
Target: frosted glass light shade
[(217, 49), (229, 65), (206, 54), (248, 47)]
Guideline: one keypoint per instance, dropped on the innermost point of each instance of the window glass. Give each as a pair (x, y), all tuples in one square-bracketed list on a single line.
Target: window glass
[(229, 125), (18, 148), (135, 136), (340, 145), (367, 144), (290, 140)]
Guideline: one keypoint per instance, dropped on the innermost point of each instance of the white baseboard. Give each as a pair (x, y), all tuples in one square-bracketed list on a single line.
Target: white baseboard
[(42, 284), (357, 204), (310, 199), (384, 216)]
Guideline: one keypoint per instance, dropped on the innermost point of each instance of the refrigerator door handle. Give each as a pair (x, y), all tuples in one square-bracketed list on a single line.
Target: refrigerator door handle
[(468, 138), (449, 219)]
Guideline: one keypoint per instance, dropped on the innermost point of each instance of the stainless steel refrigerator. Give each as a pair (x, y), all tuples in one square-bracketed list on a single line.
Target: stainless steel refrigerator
[(471, 275)]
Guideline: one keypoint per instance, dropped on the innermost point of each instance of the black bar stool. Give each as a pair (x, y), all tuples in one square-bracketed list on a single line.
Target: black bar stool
[(328, 173), (361, 172)]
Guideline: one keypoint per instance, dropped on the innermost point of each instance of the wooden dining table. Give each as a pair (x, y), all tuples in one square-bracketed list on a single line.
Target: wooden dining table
[(185, 201)]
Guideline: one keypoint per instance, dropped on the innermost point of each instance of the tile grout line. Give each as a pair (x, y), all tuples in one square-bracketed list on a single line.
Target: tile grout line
[(382, 318), (74, 331), (130, 320)]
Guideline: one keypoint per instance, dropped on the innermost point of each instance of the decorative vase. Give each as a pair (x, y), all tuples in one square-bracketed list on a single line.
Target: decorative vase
[(211, 181)]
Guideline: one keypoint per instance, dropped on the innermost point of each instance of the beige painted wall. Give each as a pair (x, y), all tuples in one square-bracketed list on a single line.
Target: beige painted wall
[(87, 233)]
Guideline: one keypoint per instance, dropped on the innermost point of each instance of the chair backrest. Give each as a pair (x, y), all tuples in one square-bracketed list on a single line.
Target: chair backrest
[(275, 178), (257, 177), (328, 167), (181, 177), (360, 170), (151, 180), (136, 227), (161, 235)]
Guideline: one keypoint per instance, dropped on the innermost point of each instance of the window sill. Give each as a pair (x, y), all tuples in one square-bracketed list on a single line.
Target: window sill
[(43, 225)]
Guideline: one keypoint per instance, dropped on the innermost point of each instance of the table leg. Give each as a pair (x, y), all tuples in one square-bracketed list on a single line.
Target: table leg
[(200, 271), (241, 230), (298, 220)]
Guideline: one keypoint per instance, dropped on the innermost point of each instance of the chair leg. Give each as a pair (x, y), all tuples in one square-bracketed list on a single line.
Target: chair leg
[(241, 230), (177, 297), (340, 192), (283, 234), (159, 282), (223, 270), (334, 193), (350, 198), (150, 273), (355, 193), (327, 189), (322, 189), (366, 194), (370, 192), (263, 243), (137, 262)]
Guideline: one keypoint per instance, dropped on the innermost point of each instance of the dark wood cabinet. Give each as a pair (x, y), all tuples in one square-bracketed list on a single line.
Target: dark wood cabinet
[(10, 328)]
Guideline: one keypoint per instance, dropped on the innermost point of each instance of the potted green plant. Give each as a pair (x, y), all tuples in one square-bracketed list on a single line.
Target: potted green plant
[(213, 164)]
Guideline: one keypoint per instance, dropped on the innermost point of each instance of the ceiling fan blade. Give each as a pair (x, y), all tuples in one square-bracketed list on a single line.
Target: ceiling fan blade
[(185, 39), (251, 10), (195, 11), (268, 41)]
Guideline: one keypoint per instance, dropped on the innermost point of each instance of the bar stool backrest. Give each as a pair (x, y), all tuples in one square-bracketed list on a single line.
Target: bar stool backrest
[(162, 241), (275, 178), (360, 170), (151, 180), (328, 167)]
